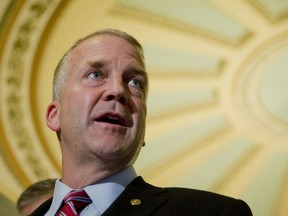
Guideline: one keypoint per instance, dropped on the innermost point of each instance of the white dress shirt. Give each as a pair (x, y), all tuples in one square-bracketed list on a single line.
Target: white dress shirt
[(102, 193)]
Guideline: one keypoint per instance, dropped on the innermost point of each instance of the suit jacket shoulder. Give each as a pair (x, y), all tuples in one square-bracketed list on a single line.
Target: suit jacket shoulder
[(143, 199)]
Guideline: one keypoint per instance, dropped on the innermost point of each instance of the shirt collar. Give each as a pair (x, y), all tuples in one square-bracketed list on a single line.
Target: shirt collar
[(106, 191), (102, 193)]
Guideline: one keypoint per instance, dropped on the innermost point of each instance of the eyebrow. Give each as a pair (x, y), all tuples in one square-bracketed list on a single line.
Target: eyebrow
[(102, 63), (96, 64)]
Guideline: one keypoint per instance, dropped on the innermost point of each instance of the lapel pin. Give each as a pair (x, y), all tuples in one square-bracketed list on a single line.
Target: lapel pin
[(135, 202)]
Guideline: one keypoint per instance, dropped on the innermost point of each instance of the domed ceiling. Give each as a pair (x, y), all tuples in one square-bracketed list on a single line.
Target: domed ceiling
[(218, 104)]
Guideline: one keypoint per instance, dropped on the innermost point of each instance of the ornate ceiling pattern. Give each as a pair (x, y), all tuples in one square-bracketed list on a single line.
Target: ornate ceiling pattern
[(217, 109)]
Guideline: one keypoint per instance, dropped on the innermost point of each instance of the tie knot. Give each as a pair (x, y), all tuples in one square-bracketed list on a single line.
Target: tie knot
[(74, 202), (77, 195)]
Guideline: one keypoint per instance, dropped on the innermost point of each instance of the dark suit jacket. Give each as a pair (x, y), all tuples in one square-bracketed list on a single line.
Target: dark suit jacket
[(151, 200)]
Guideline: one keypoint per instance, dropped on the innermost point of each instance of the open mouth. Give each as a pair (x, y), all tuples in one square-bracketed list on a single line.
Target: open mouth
[(112, 120)]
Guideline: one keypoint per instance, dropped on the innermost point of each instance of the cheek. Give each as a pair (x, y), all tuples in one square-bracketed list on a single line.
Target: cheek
[(143, 114), (139, 106), (73, 106), (77, 99), (142, 110), (141, 123)]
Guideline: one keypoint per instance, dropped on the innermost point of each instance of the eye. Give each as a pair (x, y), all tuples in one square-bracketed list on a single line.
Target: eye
[(136, 83), (95, 75)]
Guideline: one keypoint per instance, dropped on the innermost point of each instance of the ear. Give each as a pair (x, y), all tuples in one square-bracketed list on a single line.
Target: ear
[(52, 116)]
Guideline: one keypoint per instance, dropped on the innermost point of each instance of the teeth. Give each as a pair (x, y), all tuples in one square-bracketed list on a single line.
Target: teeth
[(112, 118)]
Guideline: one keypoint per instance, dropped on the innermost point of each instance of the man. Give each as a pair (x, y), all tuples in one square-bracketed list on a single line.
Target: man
[(33, 196), (98, 112)]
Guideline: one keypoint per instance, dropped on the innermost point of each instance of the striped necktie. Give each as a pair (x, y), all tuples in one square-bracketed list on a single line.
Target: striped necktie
[(74, 202)]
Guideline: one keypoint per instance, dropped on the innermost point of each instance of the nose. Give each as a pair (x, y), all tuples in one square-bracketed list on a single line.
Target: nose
[(116, 90)]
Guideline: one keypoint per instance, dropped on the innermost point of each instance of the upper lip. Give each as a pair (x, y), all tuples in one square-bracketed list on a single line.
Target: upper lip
[(114, 118)]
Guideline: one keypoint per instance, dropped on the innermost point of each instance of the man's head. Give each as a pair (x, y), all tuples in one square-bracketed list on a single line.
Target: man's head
[(100, 92), (35, 195)]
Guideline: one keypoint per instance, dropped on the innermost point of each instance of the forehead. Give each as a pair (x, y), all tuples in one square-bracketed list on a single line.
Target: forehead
[(106, 45)]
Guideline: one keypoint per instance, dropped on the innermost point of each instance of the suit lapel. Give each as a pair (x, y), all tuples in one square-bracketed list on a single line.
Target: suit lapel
[(139, 198)]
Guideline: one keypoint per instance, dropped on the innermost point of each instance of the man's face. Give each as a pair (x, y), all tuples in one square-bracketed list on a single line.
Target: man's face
[(102, 108)]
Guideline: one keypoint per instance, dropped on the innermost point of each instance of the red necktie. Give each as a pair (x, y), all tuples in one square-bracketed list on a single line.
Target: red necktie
[(74, 202)]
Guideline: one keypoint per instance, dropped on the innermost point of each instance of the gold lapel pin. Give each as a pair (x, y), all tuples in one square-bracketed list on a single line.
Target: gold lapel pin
[(135, 202)]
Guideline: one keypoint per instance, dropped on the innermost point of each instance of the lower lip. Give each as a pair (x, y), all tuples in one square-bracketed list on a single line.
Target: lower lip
[(110, 124)]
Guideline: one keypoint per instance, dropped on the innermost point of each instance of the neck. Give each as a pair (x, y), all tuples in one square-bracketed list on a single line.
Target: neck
[(78, 175)]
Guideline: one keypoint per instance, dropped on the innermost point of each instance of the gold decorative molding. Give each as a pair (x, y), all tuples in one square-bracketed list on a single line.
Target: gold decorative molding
[(263, 8), (247, 81), (136, 9), (19, 47)]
